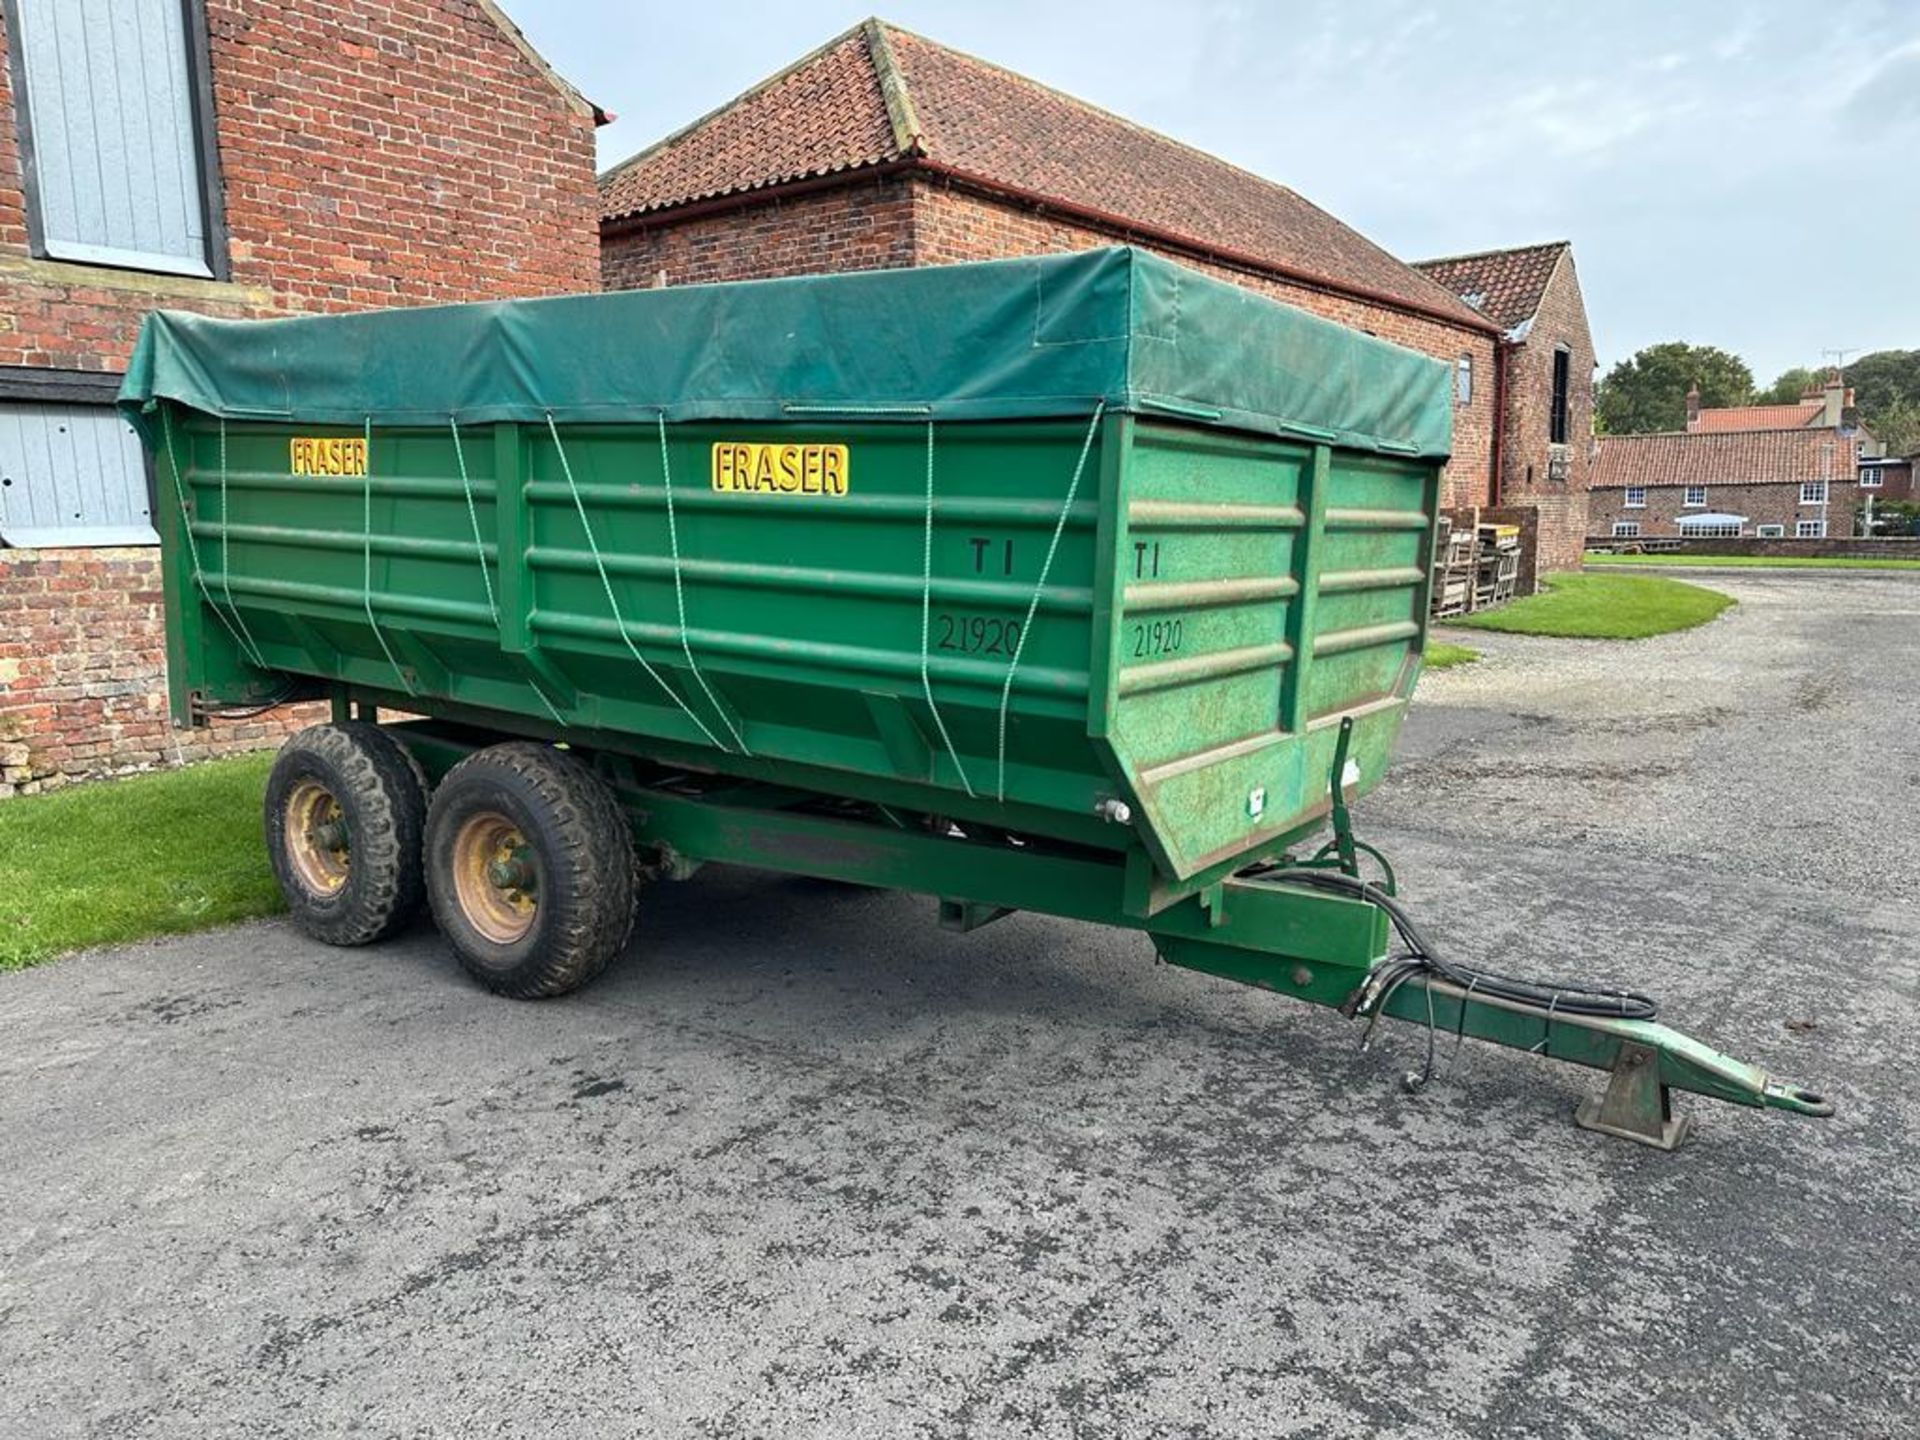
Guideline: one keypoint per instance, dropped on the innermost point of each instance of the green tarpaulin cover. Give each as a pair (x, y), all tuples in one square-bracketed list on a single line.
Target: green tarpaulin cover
[(1049, 336)]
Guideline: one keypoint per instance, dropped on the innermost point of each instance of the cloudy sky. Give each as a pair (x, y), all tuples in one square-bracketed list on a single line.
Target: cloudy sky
[(1738, 174)]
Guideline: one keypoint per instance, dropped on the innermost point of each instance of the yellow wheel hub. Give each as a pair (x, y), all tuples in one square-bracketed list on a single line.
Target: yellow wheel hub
[(316, 836), (494, 877)]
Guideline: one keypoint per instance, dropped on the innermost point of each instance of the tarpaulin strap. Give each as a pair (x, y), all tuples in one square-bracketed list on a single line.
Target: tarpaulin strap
[(680, 596), (226, 553), (1046, 567), (606, 584), (480, 549), (366, 582), (235, 626), (926, 625)]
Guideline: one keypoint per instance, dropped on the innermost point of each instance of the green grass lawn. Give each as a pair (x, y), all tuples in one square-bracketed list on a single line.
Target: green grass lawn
[(1599, 606), (119, 860), (1442, 656), (1757, 562)]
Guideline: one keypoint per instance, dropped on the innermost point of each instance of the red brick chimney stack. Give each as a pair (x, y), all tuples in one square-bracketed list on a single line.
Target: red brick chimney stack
[(1693, 407)]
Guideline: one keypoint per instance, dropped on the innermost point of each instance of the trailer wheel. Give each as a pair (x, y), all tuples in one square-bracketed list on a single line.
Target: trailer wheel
[(530, 870), (345, 811)]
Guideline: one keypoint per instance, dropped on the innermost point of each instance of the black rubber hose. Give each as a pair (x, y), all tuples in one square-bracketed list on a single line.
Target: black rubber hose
[(1547, 996)]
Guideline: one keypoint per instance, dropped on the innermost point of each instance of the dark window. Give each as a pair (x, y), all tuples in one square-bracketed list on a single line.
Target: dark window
[(1557, 420), (113, 103)]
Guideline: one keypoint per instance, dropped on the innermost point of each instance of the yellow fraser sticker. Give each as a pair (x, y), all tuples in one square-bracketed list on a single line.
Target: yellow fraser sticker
[(779, 469), (328, 455)]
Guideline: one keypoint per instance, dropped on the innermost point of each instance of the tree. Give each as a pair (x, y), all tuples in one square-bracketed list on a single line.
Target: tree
[(1789, 387), (1649, 391), (1883, 377), (1896, 426), (1886, 392)]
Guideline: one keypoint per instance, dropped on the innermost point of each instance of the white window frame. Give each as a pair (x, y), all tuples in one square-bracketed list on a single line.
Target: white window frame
[(1809, 529), (1769, 532), (1813, 492), (1626, 529), (1631, 503), (1689, 502), (115, 242), (1872, 477), (1463, 381)]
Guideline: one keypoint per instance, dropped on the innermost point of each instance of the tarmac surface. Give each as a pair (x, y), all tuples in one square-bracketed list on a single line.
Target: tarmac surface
[(805, 1165)]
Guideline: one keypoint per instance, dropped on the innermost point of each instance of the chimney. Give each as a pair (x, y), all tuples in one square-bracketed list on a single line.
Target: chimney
[(1693, 407), (1835, 397)]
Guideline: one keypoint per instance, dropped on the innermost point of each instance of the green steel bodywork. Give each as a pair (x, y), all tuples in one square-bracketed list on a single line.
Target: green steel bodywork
[(1214, 605)]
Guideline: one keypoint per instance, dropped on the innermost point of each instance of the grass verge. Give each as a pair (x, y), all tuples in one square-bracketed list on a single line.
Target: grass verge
[(1442, 656), (1756, 562), (121, 860), (1599, 606)]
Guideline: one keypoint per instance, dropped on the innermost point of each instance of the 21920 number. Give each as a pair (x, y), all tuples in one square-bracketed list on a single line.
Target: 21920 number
[(976, 634), (1159, 637)]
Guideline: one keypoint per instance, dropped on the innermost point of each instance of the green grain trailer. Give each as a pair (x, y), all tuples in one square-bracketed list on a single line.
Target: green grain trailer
[(1084, 584)]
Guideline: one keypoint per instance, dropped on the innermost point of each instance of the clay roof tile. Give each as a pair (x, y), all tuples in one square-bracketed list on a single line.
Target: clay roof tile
[(878, 95)]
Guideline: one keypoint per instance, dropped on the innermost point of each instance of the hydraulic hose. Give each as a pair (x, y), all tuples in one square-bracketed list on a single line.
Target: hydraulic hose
[(1550, 997)]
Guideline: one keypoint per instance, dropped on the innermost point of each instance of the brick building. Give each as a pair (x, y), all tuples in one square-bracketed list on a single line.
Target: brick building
[(1544, 448), (1796, 472), (883, 149), (1771, 484), (1888, 477), (240, 158)]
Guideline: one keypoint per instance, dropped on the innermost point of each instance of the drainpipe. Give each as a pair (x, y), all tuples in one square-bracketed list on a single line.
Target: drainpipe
[(1501, 352)]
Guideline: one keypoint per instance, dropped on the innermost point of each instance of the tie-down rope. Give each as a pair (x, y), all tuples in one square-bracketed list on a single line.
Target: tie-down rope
[(606, 584), (1033, 605), (680, 595), (926, 625), (480, 549), (236, 626), (366, 585)]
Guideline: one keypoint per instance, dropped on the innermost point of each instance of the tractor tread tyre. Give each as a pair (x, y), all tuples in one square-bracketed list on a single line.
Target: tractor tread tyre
[(382, 796), (582, 845)]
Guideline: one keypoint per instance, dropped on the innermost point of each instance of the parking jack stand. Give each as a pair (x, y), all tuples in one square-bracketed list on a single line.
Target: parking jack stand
[(1636, 1105)]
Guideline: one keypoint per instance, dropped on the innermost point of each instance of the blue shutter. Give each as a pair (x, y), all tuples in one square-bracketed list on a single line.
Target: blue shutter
[(110, 117), (71, 475)]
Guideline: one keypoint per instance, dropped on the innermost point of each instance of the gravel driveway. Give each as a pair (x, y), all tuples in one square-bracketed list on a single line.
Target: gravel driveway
[(804, 1165)]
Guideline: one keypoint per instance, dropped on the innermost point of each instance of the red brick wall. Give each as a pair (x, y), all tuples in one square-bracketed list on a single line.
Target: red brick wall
[(1526, 447), (1774, 503), (397, 152), (911, 222), (866, 226), (1903, 548), (1896, 479), (373, 152), (81, 660)]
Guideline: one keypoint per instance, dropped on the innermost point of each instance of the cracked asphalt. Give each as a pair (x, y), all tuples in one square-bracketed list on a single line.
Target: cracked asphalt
[(804, 1165)]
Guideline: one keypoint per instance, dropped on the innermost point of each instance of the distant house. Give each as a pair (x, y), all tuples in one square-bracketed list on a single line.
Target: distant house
[(1769, 471), (1543, 449), (885, 149)]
